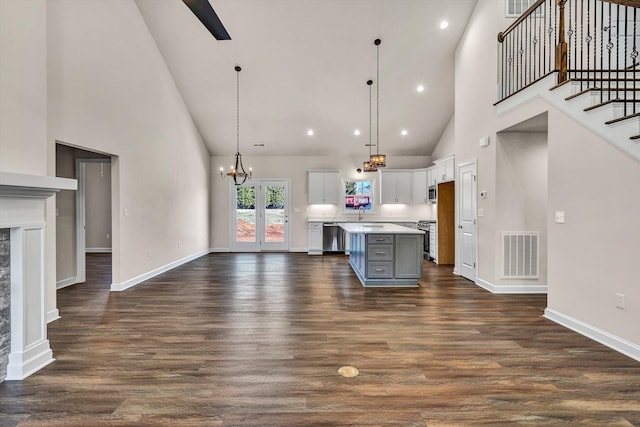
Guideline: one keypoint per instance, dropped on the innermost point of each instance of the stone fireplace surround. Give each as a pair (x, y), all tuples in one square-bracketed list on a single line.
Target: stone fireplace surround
[(22, 212)]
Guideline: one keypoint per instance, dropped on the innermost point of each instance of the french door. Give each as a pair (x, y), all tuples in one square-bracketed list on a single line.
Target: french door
[(260, 216)]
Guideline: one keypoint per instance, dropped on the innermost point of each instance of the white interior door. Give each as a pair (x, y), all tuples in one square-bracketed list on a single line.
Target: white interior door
[(260, 216), (467, 228)]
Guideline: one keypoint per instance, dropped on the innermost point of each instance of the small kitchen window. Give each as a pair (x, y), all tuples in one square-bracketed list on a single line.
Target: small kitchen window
[(357, 195)]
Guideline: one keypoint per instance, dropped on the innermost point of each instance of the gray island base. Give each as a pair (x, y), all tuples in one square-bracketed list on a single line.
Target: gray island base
[(385, 254)]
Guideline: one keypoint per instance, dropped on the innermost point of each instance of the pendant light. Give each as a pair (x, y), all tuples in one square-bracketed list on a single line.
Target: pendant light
[(369, 166), (237, 171), (380, 160)]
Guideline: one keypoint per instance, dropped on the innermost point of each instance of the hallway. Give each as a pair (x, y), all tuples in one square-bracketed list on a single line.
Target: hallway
[(257, 339)]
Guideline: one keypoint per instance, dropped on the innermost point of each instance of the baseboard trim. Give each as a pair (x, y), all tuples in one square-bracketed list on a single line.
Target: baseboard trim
[(23, 364), (97, 250), (219, 250), (511, 289), (305, 250), (605, 338), (66, 282), (53, 315), (117, 287)]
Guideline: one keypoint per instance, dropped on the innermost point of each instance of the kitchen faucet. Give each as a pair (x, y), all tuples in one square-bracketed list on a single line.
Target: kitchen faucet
[(360, 213)]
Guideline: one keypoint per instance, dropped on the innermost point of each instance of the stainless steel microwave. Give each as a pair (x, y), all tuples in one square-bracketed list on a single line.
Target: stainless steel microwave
[(433, 194)]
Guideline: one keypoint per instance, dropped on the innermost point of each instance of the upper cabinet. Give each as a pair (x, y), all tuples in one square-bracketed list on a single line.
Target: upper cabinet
[(432, 176), (324, 187), (444, 169), (396, 186), (420, 193)]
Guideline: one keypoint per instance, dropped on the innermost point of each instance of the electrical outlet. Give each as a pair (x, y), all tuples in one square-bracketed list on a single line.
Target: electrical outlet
[(620, 301), (126, 212), (559, 217), (108, 236)]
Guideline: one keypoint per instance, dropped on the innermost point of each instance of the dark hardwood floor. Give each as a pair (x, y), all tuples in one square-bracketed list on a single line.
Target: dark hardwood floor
[(257, 339)]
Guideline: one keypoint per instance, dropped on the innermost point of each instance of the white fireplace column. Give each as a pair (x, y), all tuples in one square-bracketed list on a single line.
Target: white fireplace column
[(22, 210)]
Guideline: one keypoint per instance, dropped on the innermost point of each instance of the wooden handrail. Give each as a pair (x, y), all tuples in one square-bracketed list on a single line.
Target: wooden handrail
[(632, 3), (524, 16)]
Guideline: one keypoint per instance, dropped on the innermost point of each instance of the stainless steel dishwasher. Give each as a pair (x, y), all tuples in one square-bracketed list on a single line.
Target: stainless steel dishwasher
[(333, 237)]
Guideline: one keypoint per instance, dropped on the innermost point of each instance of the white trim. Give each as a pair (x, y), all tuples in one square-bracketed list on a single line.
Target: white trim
[(80, 223), (305, 250), (32, 359), (605, 338), (66, 282), (219, 250), (511, 289), (53, 315), (115, 287), (97, 250)]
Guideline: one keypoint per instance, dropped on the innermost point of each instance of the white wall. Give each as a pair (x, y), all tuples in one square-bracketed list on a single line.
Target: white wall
[(591, 257), (110, 91), (23, 86), (447, 142), (296, 169)]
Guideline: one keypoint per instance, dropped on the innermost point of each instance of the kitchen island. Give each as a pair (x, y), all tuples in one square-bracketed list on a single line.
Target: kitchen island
[(384, 254)]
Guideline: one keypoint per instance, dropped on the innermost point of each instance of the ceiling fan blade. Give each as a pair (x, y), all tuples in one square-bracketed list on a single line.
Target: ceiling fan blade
[(205, 13)]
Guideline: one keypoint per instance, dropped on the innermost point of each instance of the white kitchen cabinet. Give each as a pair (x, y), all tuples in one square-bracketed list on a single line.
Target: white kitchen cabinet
[(315, 238), (432, 176), (420, 194), (324, 187), (444, 169), (396, 186)]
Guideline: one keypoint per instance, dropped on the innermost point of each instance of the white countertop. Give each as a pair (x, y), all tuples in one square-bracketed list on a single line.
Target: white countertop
[(365, 220), (377, 228)]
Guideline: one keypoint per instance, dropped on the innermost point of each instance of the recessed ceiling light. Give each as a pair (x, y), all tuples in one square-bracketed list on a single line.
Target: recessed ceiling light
[(420, 88), (310, 132), (404, 132), (443, 25), (356, 132)]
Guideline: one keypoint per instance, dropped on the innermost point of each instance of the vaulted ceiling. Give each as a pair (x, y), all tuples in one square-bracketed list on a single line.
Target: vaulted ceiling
[(305, 64)]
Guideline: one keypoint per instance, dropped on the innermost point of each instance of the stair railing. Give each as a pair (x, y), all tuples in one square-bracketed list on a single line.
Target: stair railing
[(592, 42)]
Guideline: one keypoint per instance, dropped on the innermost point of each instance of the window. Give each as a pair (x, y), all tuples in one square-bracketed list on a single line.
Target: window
[(358, 195), (515, 8)]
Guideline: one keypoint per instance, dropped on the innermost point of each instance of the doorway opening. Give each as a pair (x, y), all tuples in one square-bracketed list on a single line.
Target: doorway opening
[(521, 205), (84, 225)]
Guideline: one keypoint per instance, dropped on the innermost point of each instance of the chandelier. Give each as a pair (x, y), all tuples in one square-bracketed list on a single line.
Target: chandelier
[(237, 171)]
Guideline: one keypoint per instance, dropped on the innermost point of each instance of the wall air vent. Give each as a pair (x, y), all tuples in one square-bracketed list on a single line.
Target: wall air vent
[(521, 252)]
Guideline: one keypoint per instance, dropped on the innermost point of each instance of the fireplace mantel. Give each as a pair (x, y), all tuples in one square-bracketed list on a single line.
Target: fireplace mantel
[(22, 210), (21, 185)]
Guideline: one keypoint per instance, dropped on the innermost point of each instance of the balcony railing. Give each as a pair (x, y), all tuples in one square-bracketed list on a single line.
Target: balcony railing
[(593, 42)]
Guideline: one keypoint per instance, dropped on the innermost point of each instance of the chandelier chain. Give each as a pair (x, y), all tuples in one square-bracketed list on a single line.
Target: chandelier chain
[(237, 111), (377, 99)]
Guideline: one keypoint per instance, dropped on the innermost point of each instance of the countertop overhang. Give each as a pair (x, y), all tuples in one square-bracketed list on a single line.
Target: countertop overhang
[(377, 228)]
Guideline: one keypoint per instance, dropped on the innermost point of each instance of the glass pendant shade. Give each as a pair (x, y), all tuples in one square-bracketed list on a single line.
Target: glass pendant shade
[(369, 167), (379, 160)]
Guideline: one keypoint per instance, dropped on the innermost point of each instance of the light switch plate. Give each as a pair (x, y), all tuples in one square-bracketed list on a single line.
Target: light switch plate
[(480, 213), (559, 217)]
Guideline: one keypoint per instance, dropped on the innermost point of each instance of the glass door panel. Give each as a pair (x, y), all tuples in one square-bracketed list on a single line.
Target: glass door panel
[(275, 215), (260, 216), (246, 214)]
